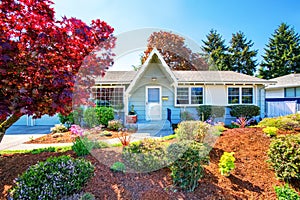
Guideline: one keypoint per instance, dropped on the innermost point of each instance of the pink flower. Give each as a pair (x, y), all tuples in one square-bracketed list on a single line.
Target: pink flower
[(76, 130)]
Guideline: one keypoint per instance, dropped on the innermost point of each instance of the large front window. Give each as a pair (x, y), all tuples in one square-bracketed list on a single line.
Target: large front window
[(292, 92), (109, 96), (240, 95), (189, 96)]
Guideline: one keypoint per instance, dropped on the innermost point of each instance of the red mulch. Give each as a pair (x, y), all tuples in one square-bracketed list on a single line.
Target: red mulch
[(251, 179)]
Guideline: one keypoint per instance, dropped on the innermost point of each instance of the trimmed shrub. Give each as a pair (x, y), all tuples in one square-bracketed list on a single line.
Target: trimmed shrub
[(186, 116), (115, 125), (270, 131), (187, 169), (284, 156), (289, 122), (59, 128), (192, 130), (286, 193), (146, 155), (210, 111), (104, 114), (226, 163), (90, 117), (52, 179), (118, 167), (82, 146), (247, 111)]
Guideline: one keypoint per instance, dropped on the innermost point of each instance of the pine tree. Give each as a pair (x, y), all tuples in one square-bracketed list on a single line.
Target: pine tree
[(241, 57), (282, 53), (215, 51)]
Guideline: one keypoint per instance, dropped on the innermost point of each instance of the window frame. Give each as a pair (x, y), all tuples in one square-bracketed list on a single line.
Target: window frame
[(109, 87), (241, 95), (189, 96), (294, 92)]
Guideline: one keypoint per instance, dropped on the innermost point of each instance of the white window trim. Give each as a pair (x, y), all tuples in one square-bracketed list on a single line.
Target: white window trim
[(189, 95), (115, 86), (240, 95)]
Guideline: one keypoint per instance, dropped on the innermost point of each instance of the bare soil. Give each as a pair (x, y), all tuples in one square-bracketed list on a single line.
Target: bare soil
[(251, 179)]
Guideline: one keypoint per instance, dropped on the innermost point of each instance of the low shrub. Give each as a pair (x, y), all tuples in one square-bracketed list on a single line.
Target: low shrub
[(146, 155), (100, 145), (59, 128), (270, 131), (104, 114), (186, 116), (284, 156), (192, 130), (52, 179), (220, 128), (226, 163), (87, 196), (82, 146), (75, 117), (247, 111), (115, 125), (118, 167), (169, 137), (286, 193), (90, 117), (187, 169), (288, 122), (207, 111)]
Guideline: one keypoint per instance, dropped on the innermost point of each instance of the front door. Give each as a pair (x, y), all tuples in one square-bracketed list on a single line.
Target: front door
[(153, 103)]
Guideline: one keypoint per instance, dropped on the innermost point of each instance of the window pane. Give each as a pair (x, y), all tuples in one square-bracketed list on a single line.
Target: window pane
[(110, 97), (298, 92), (289, 92), (247, 95), (182, 95), (197, 95), (153, 95), (233, 95)]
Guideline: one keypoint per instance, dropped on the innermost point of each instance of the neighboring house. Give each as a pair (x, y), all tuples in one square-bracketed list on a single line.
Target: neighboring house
[(154, 88), (283, 97)]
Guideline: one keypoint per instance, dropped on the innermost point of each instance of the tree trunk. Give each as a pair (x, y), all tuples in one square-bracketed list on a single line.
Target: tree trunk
[(7, 123)]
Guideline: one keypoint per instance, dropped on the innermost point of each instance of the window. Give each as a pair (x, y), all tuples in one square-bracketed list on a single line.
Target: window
[(113, 97), (237, 95), (292, 92), (189, 95)]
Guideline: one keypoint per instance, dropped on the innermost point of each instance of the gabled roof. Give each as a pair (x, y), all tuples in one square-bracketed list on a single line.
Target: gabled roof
[(291, 80), (124, 77)]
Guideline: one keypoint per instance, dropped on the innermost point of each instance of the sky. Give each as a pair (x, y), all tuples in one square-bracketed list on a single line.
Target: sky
[(193, 19)]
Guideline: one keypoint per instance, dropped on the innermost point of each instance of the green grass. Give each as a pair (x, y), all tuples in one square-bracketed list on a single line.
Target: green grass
[(39, 150)]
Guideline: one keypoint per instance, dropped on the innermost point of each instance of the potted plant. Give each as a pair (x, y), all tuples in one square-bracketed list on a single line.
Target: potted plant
[(132, 116)]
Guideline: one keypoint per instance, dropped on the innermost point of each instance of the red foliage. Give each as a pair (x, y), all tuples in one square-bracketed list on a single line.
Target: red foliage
[(174, 51), (41, 56)]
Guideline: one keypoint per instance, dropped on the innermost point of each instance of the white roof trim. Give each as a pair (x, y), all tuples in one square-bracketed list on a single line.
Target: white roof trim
[(144, 67)]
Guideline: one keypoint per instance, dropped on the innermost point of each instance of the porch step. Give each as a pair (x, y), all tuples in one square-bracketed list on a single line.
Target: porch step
[(155, 128)]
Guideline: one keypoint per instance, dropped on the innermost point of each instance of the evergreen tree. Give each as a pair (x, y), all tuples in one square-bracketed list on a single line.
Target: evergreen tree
[(282, 53), (215, 51), (241, 57)]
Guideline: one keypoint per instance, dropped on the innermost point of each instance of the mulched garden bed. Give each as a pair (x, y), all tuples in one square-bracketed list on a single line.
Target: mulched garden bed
[(251, 179)]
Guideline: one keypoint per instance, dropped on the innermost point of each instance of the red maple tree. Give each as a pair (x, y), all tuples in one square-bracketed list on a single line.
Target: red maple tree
[(41, 56), (174, 51)]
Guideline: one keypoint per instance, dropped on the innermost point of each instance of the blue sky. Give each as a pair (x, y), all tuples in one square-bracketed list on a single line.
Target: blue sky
[(192, 18)]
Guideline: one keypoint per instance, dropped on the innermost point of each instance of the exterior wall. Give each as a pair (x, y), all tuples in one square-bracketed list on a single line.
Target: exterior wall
[(275, 93), (215, 95)]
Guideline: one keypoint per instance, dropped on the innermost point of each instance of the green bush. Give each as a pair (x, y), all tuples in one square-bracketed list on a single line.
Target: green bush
[(115, 125), (90, 117), (192, 130), (75, 117), (270, 131), (100, 145), (104, 114), (286, 193), (146, 155), (186, 116), (87, 196), (288, 122), (284, 156), (247, 111), (118, 167), (59, 128), (82, 146), (187, 169), (208, 111), (226, 163), (52, 179)]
